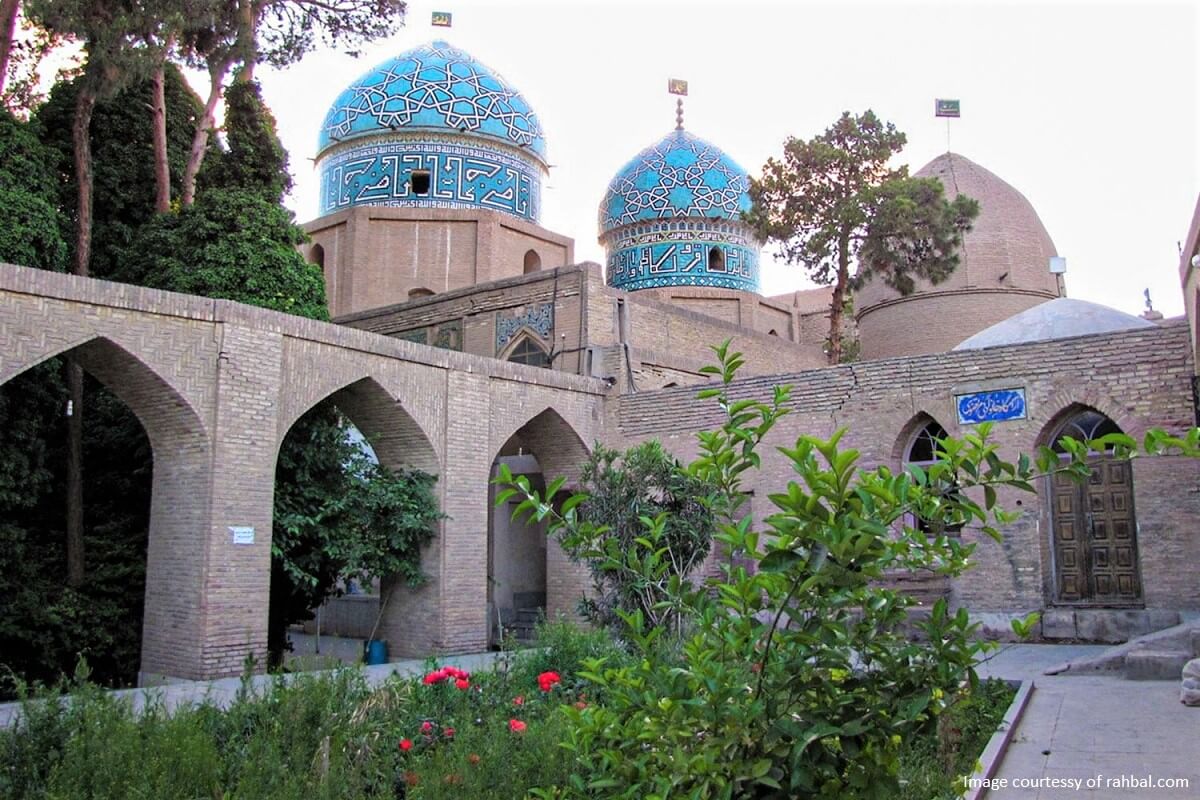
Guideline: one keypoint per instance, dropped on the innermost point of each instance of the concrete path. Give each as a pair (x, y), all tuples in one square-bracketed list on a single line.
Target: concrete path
[(1114, 732), (222, 692)]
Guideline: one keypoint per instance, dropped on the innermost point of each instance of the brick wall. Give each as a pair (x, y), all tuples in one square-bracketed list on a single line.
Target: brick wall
[(217, 385), (374, 256), (1138, 378), (667, 343)]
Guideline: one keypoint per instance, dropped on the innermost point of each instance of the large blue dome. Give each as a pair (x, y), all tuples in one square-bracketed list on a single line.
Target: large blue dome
[(681, 175), (438, 87)]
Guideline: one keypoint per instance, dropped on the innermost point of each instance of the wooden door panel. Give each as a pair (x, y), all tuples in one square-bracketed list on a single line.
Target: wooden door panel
[(1095, 543)]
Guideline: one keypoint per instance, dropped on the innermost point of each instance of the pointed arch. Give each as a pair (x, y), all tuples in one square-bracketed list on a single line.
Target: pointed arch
[(1077, 420), (160, 406), (181, 483), (910, 433), (396, 437), (527, 349), (559, 448)]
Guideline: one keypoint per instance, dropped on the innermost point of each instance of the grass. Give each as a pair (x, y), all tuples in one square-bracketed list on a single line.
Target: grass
[(933, 763)]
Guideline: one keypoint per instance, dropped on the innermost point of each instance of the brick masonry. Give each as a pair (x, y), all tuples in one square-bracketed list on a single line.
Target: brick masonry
[(217, 385), (1138, 378)]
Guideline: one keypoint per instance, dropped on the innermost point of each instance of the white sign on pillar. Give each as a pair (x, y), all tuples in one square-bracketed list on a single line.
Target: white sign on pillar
[(242, 534)]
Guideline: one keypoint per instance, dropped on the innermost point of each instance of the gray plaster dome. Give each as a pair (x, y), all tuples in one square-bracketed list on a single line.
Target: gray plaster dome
[(1061, 318)]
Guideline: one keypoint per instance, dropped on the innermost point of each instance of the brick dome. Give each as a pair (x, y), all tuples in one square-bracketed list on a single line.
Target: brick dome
[(1003, 270)]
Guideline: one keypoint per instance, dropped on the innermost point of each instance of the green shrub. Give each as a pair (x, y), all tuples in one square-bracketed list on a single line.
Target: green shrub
[(933, 762), (801, 677)]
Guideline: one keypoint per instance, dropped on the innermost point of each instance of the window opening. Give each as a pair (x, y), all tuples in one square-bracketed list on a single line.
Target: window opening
[(420, 181), (528, 352)]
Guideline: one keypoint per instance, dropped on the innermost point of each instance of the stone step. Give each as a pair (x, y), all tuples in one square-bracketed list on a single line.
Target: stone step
[(1156, 665)]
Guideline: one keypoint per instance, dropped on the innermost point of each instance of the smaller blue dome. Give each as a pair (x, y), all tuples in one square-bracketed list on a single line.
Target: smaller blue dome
[(434, 86), (681, 175)]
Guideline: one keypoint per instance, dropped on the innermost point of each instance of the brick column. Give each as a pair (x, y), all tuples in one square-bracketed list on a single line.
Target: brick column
[(236, 593), (465, 501)]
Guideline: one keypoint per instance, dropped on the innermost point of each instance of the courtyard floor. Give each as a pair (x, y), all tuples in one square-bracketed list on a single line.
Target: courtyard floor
[(1097, 728)]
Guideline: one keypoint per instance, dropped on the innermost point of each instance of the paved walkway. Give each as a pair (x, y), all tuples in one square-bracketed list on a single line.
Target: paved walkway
[(222, 692), (1077, 728)]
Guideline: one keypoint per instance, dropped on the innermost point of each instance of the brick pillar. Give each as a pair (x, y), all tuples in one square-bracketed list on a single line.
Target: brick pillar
[(463, 538), (234, 595)]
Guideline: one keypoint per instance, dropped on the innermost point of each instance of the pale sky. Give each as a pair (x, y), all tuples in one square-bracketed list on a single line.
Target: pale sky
[(1089, 110)]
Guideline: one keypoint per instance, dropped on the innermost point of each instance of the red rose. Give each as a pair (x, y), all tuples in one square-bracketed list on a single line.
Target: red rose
[(516, 726), (448, 733), (426, 726), (406, 745), (547, 680), (463, 683)]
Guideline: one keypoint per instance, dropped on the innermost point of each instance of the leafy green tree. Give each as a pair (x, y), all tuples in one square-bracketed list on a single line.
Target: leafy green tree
[(623, 491), (833, 206), (220, 37), (32, 231), (801, 678), (122, 142)]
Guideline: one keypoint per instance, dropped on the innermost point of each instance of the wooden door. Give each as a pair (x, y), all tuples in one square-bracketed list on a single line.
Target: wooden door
[(1095, 536)]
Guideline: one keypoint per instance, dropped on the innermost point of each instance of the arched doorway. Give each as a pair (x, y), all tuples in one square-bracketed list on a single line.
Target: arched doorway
[(528, 575), (332, 503), (1093, 526), (135, 611)]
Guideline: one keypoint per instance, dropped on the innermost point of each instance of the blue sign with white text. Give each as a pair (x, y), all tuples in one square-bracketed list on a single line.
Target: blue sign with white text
[(991, 406)]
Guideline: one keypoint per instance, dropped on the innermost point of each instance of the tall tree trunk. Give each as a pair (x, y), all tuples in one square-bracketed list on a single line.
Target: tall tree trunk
[(8, 27), (75, 562), (217, 73), (85, 104), (162, 168), (838, 302)]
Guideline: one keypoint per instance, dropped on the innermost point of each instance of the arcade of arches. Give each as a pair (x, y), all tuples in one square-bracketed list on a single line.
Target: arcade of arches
[(217, 385)]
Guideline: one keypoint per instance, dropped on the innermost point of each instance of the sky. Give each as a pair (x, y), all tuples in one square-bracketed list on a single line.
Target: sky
[(1088, 109)]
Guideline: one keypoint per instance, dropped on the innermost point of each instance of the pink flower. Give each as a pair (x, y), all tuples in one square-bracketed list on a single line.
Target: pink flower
[(426, 726), (406, 745), (516, 726), (448, 733), (463, 683), (519, 700), (547, 680)]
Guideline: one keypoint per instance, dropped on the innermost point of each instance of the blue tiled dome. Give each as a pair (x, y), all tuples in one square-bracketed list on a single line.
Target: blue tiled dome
[(681, 175), (434, 86), (673, 217)]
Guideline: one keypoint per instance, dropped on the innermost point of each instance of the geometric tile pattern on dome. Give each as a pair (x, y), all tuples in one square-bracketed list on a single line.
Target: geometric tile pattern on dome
[(464, 172), (433, 86), (679, 176), (683, 263)]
